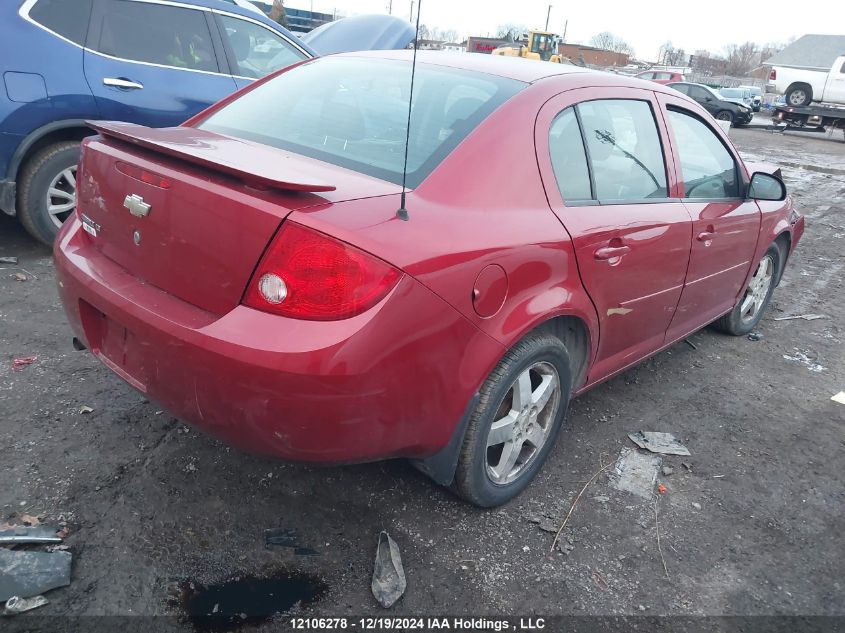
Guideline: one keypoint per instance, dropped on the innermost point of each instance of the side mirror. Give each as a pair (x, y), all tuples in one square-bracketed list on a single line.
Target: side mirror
[(766, 187)]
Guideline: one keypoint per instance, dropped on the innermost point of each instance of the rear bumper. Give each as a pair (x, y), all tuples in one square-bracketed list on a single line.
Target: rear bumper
[(392, 382)]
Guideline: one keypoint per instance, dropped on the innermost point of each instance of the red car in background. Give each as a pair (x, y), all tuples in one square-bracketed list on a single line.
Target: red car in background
[(251, 269), (660, 76)]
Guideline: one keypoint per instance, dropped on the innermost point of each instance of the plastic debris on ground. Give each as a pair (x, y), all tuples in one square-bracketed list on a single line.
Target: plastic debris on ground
[(388, 574), (84, 409), (8, 260), (287, 537), (662, 443), (16, 604), (806, 317), (839, 397), (29, 534), (636, 472), (27, 574), (23, 361)]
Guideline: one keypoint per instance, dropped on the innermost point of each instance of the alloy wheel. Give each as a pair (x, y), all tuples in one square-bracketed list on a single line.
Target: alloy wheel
[(61, 196), (523, 422), (758, 290), (797, 97)]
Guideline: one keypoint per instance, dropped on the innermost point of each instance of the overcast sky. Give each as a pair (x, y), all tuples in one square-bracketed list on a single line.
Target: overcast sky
[(691, 25)]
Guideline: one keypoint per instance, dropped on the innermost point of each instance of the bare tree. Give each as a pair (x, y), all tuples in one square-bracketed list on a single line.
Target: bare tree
[(510, 31), (610, 42), (278, 14), (450, 35), (425, 33), (741, 58)]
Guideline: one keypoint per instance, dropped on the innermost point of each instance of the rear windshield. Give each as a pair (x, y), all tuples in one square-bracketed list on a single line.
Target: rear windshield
[(353, 112)]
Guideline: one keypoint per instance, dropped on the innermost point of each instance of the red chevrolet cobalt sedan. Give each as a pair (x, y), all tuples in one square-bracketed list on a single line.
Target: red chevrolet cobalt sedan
[(252, 270)]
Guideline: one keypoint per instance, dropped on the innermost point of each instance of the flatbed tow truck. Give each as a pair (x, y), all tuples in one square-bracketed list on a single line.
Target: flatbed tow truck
[(810, 118)]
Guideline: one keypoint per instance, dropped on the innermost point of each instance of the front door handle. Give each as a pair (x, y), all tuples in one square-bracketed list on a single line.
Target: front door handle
[(125, 84), (611, 252)]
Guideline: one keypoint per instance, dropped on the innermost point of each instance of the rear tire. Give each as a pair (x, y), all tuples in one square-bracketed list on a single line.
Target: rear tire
[(799, 96), (526, 396), (52, 168), (749, 310)]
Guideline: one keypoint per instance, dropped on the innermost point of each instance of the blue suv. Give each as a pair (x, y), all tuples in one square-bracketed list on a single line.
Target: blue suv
[(152, 62)]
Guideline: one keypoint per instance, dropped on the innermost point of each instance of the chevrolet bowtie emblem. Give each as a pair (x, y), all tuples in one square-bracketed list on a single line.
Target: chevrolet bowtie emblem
[(136, 205)]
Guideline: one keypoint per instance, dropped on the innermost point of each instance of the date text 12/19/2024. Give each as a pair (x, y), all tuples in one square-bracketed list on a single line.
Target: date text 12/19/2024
[(418, 624)]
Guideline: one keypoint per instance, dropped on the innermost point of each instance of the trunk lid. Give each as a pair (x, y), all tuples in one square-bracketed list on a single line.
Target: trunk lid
[(191, 212)]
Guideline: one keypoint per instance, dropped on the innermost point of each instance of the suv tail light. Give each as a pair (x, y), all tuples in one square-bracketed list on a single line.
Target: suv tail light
[(773, 75), (308, 275)]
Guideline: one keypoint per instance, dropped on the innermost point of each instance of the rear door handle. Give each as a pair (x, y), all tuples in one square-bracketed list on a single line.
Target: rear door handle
[(125, 84), (611, 252), (706, 236)]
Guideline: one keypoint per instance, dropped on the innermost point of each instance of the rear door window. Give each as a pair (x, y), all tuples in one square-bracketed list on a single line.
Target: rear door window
[(708, 167), (254, 50), (156, 34), (569, 160), (68, 19), (624, 150)]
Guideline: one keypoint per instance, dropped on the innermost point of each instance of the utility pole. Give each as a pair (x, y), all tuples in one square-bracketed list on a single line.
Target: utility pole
[(565, 26), (548, 13), (411, 18), (390, 7)]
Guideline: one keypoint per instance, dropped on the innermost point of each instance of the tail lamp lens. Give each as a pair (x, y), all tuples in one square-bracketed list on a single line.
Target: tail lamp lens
[(306, 274)]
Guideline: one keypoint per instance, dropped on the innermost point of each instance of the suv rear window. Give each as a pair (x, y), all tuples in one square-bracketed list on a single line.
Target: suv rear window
[(353, 112), (68, 19)]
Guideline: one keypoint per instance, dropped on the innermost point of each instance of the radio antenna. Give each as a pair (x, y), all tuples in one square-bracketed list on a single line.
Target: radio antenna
[(402, 212)]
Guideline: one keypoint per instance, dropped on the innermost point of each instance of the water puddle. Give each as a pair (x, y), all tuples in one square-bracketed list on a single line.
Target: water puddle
[(247, 600)]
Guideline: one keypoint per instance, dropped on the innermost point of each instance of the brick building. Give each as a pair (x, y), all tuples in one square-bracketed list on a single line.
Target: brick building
[(591, 55), (486, 44)]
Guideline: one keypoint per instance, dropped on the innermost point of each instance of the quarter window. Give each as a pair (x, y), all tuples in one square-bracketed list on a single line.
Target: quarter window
[(68, 19), (569, 161), (157, 34), (257, 51), (624, 150), (708, 167)]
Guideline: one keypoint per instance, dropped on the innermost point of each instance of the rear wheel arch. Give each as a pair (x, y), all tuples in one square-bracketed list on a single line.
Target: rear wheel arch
[(46, 135), (577, 337), (574, 333)]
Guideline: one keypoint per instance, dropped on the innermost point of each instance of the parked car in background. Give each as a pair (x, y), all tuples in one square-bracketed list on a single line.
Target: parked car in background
[(713, 102), (740, 96), (660, 76), (251, 269), (156, 63), (756, 97), (801, 87)]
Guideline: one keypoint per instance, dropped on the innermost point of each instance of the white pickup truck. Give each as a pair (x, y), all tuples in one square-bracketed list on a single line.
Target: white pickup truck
[(801, 87)]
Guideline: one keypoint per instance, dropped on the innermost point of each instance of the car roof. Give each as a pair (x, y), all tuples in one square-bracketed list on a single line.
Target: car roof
[(516, 68)]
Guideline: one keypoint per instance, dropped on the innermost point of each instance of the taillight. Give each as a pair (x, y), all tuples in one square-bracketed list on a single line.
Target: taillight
[(773, 75), (308, 275)]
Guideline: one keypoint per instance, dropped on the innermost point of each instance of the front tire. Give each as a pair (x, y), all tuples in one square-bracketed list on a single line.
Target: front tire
[(516, 422), (47, 190), (725, 115), (749, 310)]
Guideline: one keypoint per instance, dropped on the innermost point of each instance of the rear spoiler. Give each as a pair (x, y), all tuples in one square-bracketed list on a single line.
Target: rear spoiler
[(255, 164)]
